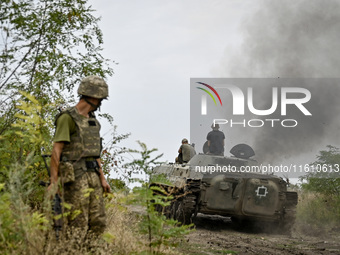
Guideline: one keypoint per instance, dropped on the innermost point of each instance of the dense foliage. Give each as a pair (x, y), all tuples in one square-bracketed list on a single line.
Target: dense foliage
[(319, 204), (161, 231), (46, 47), (326, 177)]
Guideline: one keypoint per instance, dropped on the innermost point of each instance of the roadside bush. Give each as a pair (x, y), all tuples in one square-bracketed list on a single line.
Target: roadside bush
[(318, 214), (318, 210), (161, 233), (22, 228)]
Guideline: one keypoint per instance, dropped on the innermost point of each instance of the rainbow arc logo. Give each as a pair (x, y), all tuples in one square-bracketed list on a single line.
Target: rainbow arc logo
[(209, 93), (204, 98)]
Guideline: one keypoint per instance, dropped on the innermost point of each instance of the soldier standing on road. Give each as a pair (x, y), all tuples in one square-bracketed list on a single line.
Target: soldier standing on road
[(186, 152), (216, 140), (75, 159)]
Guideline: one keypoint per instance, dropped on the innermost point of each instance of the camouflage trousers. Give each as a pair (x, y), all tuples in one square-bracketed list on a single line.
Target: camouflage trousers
[(84, 204)]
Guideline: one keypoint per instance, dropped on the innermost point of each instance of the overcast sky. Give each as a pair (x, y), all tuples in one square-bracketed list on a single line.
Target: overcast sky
[(159, 46)]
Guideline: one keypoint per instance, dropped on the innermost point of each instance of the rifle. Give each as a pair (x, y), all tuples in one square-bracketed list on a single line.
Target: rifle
[(56, 204)]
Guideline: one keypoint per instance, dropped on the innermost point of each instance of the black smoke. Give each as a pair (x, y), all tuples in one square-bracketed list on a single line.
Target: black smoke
[(294, 39)]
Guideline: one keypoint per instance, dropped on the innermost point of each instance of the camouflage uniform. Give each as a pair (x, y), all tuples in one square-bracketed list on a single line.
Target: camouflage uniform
[(86, 195), (78, 168), (187, 152)]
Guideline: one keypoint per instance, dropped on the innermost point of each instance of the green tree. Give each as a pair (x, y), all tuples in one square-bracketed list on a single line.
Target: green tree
[(325, 179), (319, 206), (18, 191), (46, 47), (160, 231)]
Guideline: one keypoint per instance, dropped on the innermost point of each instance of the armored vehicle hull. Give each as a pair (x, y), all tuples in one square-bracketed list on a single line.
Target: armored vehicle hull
[(227, 186)]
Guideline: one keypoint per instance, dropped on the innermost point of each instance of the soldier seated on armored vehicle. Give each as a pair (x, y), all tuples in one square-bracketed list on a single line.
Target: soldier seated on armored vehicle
[(185, 152)]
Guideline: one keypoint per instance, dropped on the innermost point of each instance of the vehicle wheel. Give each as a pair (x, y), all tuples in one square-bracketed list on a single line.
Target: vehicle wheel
[(238, 223), (287, 222), (244, 224), (167, 211), (173, 209), (159, 208), (289, 214), (182, 215), (185, 209)]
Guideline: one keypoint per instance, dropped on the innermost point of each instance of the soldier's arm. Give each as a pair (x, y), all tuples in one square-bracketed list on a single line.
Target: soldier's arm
[(64, 128), (103, 181), (208, 139), (55, 158)]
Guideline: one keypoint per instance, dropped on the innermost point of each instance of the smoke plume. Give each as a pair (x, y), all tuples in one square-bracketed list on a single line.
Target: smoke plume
[(293, 39)]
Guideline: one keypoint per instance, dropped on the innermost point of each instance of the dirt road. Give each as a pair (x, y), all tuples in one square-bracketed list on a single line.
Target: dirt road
[(217, 235)]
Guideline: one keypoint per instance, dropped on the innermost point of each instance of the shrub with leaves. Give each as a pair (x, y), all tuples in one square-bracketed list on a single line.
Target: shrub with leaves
[(112, 158), (28, 136), (319, 208), (160, 231), (326, 180), (46, 58), (22, 228)]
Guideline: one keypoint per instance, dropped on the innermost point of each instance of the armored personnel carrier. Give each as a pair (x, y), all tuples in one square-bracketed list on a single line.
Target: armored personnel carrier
[(227, 186)]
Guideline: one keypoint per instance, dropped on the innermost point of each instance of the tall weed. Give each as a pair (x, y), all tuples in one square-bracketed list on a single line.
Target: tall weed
[(318, 213)]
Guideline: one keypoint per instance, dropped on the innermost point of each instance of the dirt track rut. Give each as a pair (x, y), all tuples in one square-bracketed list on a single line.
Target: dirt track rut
[(217, 235)]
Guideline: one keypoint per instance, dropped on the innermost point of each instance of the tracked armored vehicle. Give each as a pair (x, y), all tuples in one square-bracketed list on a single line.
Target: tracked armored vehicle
[(228, 186)]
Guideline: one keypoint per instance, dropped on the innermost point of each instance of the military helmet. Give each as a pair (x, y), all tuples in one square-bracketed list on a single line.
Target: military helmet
[(93, 86)]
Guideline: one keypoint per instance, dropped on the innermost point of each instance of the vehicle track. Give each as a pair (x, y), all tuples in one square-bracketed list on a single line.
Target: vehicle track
[(218, 235)]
